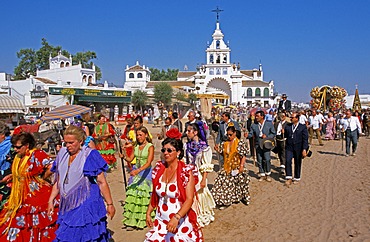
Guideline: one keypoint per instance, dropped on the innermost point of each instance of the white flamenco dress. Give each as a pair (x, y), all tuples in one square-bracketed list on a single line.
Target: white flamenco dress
[(202, 159)]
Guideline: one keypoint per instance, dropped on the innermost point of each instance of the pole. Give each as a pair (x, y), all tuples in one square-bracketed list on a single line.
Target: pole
[(118, 135)]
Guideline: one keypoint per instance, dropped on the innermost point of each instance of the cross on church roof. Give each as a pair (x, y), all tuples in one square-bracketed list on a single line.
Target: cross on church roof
[(217, 11)]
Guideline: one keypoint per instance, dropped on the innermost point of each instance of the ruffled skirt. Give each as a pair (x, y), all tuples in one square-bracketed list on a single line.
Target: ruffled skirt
[(31, 219), (230, 189), (206, 205), (88, 222), (137, 199)]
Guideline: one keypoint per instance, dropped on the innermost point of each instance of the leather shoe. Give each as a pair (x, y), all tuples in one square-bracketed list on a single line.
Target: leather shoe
[(268, 179), (288, 182), (261, 178)]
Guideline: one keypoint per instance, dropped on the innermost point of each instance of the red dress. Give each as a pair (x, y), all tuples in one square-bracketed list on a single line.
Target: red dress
[(105, 146), (29, 221)]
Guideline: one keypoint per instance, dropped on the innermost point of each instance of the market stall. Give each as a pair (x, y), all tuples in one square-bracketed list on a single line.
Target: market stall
[(11, 109)]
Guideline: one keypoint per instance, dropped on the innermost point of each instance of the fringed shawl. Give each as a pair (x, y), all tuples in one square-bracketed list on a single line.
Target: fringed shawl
[(77, 190), (182, 179), (231, 155), (21, 178)]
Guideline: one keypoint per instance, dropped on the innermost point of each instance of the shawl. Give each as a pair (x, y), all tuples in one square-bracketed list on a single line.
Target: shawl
[(77, 190), (182, 179), (4, 151), (20, 179), (231, 155), (193, 148)]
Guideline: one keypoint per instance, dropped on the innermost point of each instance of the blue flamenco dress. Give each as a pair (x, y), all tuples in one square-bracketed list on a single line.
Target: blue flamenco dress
[(82, 214)]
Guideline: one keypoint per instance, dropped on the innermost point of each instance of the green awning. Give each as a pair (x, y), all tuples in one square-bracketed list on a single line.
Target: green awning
[(96, 99)]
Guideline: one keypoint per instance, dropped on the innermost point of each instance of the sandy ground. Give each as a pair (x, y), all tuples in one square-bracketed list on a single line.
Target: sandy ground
[(331, 203)]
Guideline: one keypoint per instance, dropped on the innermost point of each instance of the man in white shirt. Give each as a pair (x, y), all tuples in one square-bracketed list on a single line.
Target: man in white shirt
[(352, 128), (315, 126), (302, 118)]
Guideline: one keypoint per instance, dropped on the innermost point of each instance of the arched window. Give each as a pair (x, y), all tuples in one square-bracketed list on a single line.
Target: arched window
[(84, 78), (211, 59), (139, 75), (90, 80), (67, 64), (258, 92), (62, 64), (249, 92), (131, 75), (266, 92), (217, 44)]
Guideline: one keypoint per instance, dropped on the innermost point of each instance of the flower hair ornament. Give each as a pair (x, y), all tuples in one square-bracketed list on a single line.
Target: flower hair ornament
[(174, 133)]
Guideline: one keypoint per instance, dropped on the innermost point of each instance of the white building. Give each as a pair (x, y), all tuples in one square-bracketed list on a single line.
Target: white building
[(65, 83), (220, 76), (364, 100), (136, 77), (61, 68)]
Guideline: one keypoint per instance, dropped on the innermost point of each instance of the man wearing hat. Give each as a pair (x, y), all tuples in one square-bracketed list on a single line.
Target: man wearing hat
[(285, 105), (263, 131), (280, 139), (296, 148)]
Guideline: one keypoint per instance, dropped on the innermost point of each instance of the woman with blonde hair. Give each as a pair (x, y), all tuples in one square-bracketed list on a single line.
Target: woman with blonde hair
[(140, 181), (80, 181)]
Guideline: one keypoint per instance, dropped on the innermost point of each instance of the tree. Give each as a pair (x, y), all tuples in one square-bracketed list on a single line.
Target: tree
[(169, 75), (181, 96), (85, 59), (139, 99), (27, 65), (163, 92), (32, 60), (192, 98)]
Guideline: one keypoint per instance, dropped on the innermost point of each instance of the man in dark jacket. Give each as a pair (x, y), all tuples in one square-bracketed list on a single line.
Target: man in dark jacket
[(261, 130), (285, 105), (296, 148)]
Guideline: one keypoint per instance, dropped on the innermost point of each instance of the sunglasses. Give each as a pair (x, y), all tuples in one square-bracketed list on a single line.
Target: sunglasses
[(17, 147), (169, 151), (229, 134)]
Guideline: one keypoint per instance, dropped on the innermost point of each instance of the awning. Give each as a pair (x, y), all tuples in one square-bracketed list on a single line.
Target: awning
[(66, 111), (40, 106), (9, 104), (103, 99)]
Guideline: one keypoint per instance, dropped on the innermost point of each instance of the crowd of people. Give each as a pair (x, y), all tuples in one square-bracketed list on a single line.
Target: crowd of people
[(67, 198)]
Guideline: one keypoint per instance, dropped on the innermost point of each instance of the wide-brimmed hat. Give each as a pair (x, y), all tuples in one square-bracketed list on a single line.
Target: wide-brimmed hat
[(309, 152), (284, 95), (267, 143)]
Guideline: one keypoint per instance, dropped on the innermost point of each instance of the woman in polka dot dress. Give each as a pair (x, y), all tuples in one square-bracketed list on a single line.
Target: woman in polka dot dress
[(173, 194), (232, 182)]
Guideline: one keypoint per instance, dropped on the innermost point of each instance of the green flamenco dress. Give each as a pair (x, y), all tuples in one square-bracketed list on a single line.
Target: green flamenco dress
[(138, 191)]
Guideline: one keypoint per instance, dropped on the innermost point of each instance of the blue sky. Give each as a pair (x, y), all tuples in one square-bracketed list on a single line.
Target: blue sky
[(300, 43)]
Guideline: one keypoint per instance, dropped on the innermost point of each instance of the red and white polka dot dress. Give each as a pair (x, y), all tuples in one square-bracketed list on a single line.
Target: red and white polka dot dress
[(168, 206)]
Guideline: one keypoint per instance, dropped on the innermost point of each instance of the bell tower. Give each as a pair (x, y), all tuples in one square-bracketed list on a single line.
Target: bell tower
[(218, 52)]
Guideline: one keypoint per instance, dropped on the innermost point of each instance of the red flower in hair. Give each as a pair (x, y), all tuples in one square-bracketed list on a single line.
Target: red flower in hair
[(173, 133)]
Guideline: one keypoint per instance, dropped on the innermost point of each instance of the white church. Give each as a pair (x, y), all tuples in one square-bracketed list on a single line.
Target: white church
[(218, 77)]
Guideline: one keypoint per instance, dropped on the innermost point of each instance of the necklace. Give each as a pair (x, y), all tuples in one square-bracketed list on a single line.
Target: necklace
[(167, 181)]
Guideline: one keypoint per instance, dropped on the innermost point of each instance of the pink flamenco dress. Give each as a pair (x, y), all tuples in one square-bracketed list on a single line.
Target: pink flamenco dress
[(168, 199)]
